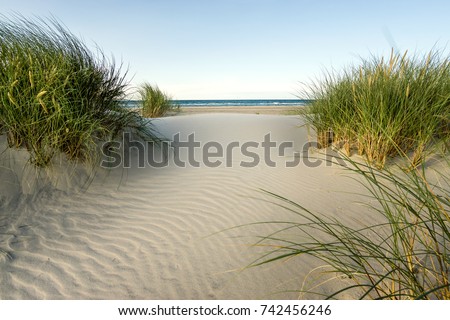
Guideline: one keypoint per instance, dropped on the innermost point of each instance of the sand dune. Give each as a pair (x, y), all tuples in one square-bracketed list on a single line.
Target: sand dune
[(161, 233)]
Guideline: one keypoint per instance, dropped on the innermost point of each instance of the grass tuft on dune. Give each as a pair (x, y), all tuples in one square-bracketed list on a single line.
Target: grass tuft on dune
[(155, 102), (385, 106), (56, 95), (405, 256)]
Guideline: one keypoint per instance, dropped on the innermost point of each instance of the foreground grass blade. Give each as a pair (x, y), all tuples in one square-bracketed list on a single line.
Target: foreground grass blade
[(407, 256)]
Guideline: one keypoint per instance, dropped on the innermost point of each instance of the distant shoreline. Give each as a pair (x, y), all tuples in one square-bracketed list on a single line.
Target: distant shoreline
[(241, 102), (264, 110), (272, 110), (230, 103)]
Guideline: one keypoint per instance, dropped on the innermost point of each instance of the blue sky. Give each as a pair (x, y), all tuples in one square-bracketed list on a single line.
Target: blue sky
[(226, 49)]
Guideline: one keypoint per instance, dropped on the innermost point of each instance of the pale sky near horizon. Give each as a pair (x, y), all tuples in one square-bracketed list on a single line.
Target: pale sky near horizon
[(244, 49)]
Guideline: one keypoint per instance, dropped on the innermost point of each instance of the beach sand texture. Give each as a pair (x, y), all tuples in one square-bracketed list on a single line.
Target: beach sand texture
[(164, 233)]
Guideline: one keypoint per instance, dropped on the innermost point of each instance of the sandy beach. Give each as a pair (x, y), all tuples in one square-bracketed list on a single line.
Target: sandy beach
[(277, 110), (167, 233)]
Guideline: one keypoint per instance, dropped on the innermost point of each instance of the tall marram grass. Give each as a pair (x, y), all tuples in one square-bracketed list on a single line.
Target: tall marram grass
[(55, 94), (384, 107), (155, 102), (405, 256)]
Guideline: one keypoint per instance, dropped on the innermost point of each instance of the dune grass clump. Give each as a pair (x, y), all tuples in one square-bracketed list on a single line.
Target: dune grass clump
[(55, 94), (384, 107), (406, 256), (155, 102)]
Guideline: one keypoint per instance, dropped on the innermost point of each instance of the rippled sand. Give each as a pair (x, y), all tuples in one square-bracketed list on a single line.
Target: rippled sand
[(148, 233)]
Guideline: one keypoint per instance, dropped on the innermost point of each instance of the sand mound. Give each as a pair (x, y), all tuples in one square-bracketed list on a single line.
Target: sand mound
[(151, 233)]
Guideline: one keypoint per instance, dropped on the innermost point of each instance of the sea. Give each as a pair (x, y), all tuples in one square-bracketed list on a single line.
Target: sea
[(229, 103)]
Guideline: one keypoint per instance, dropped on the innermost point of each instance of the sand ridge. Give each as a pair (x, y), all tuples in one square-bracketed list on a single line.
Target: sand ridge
[(165, 233)]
